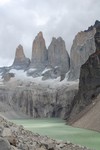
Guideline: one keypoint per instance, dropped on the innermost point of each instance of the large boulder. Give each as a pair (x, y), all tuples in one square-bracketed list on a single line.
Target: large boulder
[(7, 76), (20, 61), (83, 46), (4, 144)]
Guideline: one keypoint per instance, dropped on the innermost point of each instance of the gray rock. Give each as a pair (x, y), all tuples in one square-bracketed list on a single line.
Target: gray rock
[(89, 85), (83, 46), (4, 144), (38, 100), (39, 52), (1, 130), (20, 61), (58, 55), (7, 76)]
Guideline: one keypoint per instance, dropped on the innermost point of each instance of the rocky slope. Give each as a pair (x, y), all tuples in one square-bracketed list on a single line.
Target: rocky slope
[(89, 85), (90, 117), (83, 46), (14, 137)]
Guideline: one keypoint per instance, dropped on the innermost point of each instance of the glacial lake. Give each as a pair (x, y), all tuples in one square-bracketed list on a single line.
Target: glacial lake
[(57, 129)]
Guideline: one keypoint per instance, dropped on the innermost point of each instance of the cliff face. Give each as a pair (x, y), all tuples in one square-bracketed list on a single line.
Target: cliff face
[(39, 51), (83, 46), (37, 100), (89, 85), (58, 55), (20, 61)]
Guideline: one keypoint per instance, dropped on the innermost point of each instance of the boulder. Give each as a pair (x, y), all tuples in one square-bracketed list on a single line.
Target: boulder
[(4, 144), (7, 76)]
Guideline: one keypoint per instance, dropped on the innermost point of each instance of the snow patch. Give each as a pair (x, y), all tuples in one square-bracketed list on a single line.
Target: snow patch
[(31, 70), (45, 70), (20, 74)]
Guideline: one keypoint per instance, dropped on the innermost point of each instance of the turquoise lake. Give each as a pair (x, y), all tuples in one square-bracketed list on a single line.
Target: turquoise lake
[(57, 129)]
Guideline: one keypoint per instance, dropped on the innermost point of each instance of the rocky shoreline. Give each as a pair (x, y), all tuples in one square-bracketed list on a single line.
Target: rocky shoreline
[(14, 137)]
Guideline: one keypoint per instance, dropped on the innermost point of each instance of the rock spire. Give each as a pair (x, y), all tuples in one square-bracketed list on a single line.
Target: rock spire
[(39, 51), (20, 61)]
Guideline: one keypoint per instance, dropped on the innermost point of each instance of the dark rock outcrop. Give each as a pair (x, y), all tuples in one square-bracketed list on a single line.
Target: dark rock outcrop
[(7, 76), (20, 61), (89, 85), (83, 46), (39, 52)]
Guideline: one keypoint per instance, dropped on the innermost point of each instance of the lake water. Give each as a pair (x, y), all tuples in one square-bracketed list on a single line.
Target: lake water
[(56, 128)]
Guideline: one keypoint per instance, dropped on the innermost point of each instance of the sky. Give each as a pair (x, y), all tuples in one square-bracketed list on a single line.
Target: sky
[(21, 20)]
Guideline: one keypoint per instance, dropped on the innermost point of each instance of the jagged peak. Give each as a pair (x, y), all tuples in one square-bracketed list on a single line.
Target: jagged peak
[(19, 52), (97, 22), (39, 35), (20, 46), (54, 39), (57, 39), (60, 39)]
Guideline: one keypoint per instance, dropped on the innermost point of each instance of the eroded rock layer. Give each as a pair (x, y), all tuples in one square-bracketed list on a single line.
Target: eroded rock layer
[(37, 100)]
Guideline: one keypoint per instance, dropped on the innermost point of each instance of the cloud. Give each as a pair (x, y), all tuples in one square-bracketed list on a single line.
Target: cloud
[(3, 2), (20, 21)]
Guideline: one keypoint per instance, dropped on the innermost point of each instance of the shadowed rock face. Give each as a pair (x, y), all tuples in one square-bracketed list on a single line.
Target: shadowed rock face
[(89, 85), (58, 55), (39, 51), (20, 61)]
